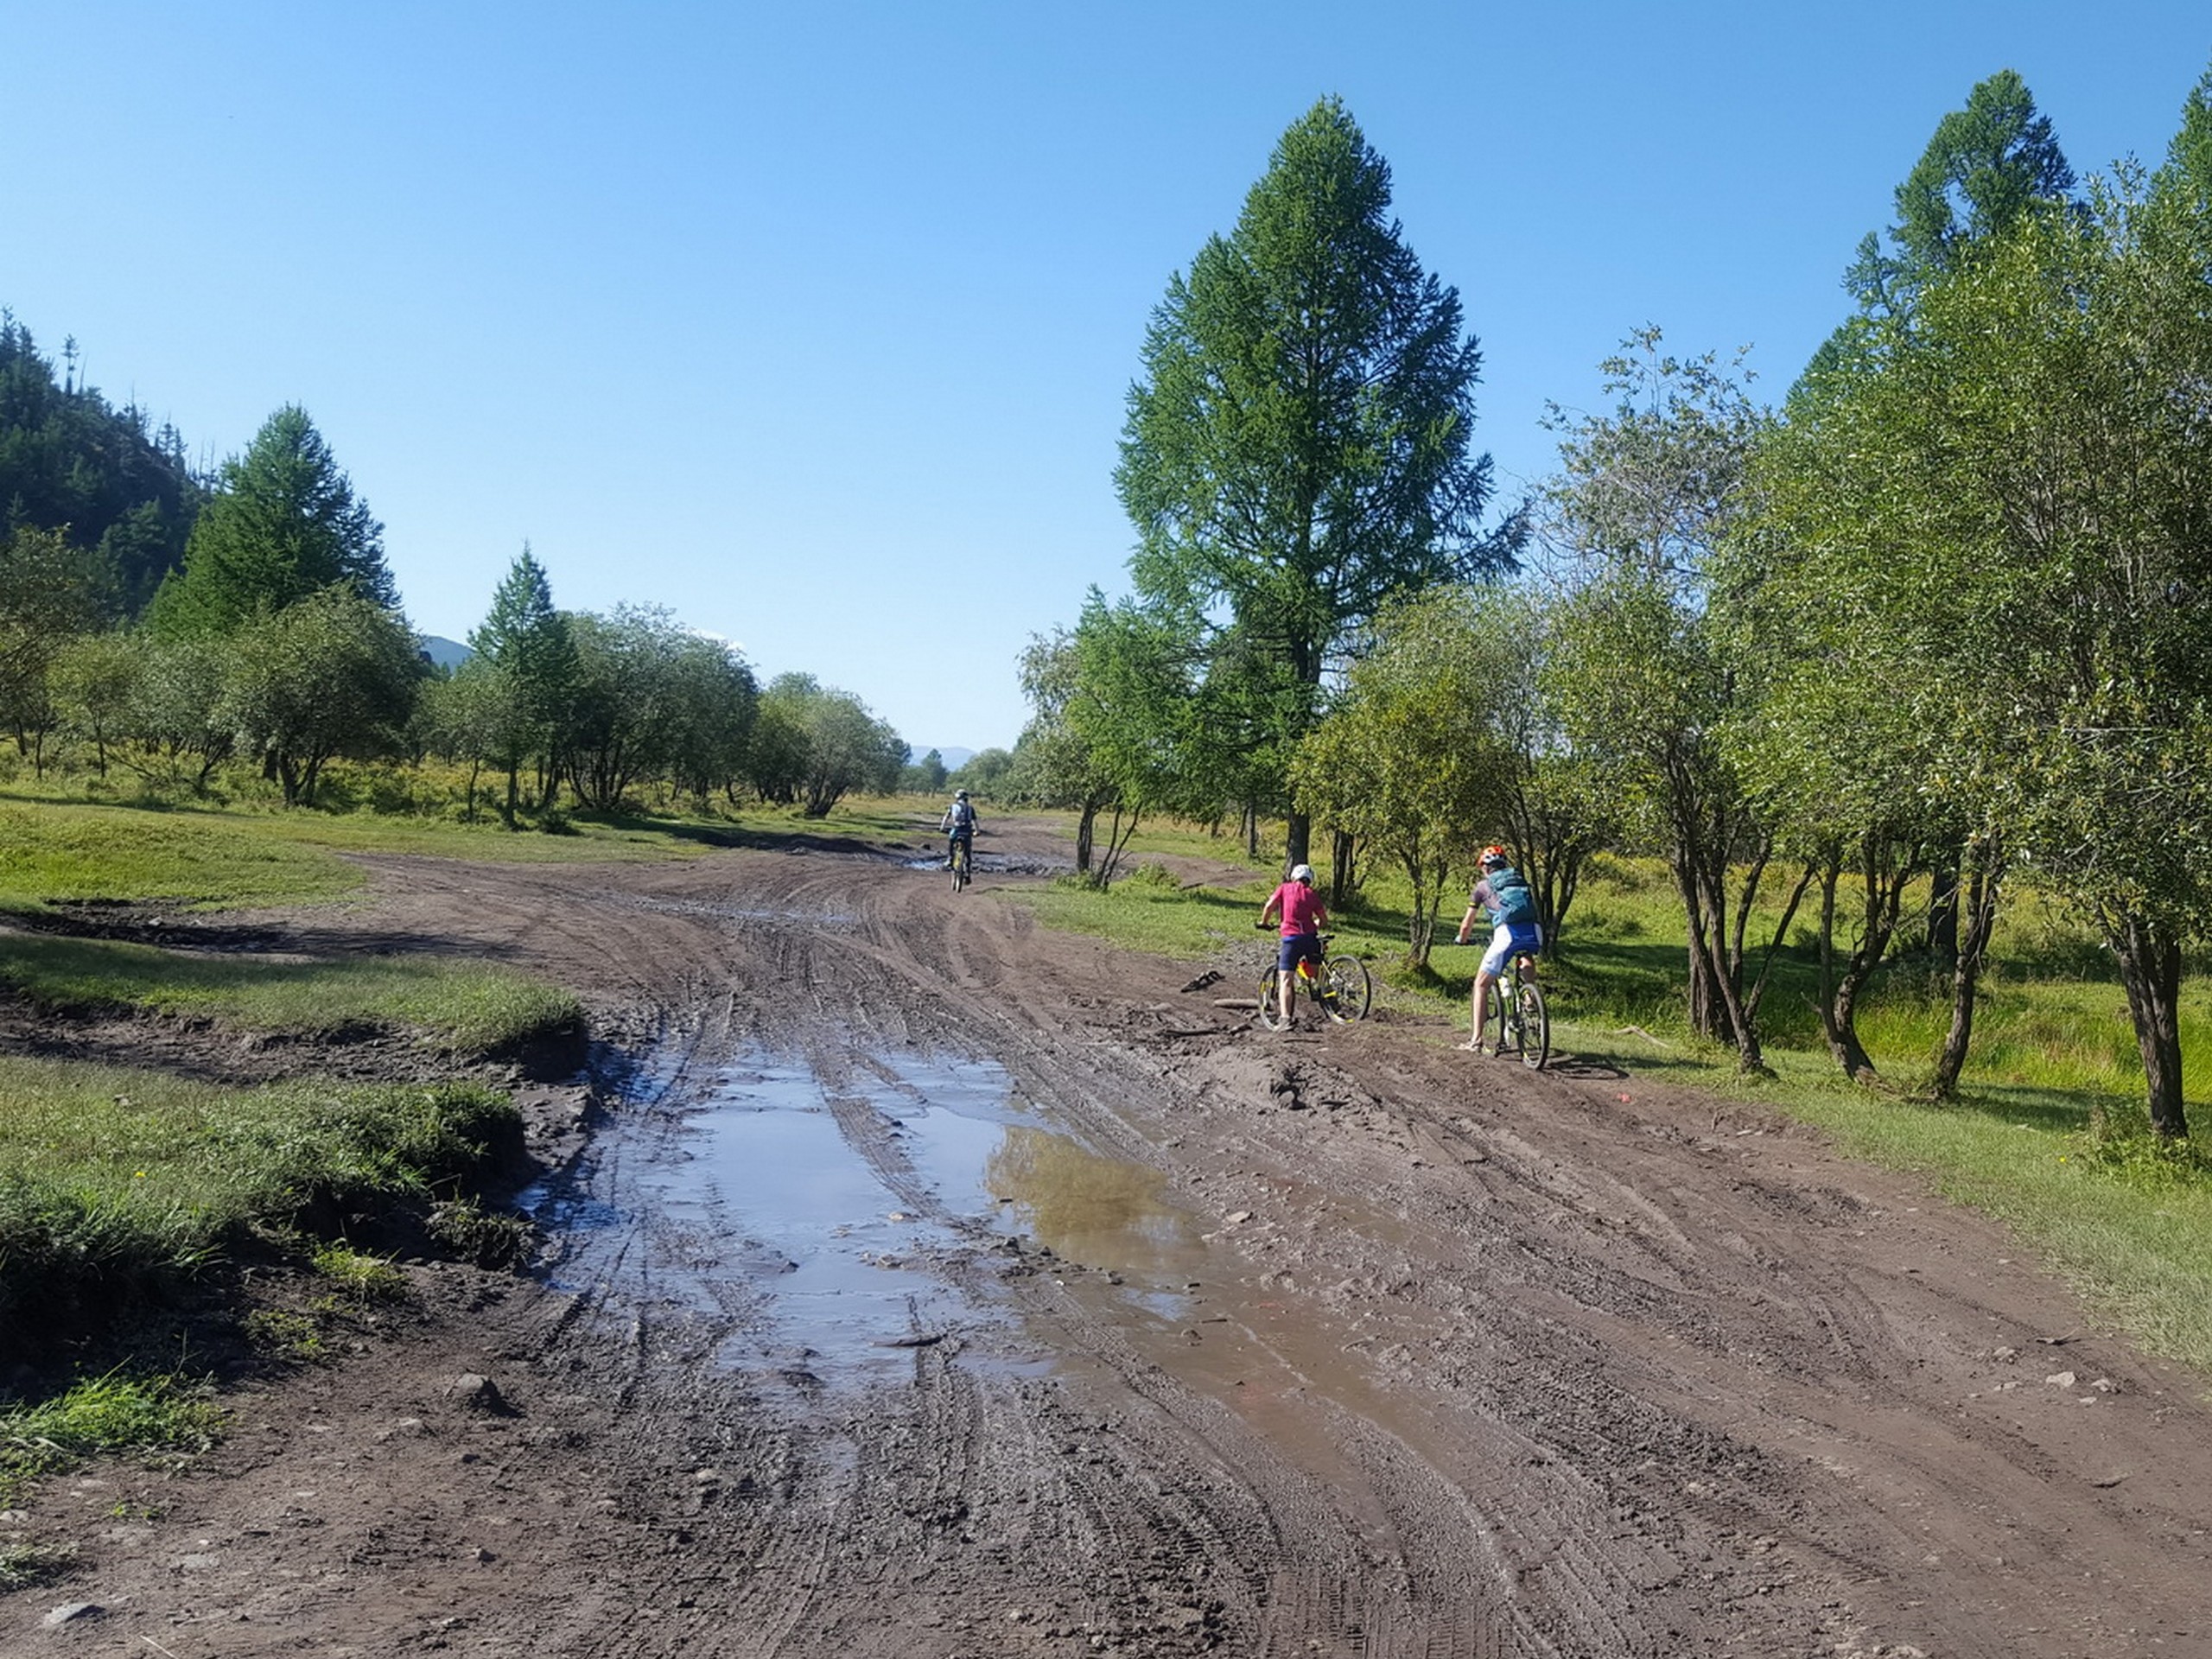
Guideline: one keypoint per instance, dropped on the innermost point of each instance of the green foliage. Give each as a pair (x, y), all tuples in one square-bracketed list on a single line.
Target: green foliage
[(25, 1567), (2136, 1155), (1296, 452), (123, 498), (358, 1274), (926, 775), (284, 524), (330, 674), (103, 1415), (462, 1229), (1417, 759), (287, 1334), (820, 744)]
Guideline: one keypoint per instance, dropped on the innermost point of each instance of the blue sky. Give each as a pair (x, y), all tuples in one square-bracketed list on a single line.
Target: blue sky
[(814, 324)]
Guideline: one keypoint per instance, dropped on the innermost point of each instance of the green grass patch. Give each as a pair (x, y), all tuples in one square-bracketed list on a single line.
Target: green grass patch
[(116, 1184), (468, 1007), (56, 851), (55, 854), (114, 1413)]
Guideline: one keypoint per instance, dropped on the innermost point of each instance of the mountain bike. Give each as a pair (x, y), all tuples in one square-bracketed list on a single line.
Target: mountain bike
[(959, 863), (1341, 985), (1523, 1023)]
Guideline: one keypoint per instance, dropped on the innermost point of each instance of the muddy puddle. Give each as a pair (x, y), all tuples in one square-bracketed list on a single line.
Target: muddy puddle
[(832, 1224)]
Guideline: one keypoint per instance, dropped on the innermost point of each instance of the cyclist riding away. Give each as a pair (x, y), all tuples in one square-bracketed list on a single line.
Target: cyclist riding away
[(1504, 896), (959, 827), (1303, 916)]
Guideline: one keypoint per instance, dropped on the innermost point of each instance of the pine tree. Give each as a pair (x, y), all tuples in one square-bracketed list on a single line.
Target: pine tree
[(285, 523)]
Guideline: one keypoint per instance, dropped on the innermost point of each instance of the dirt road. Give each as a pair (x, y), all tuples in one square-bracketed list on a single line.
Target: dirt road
[(933, 1285)]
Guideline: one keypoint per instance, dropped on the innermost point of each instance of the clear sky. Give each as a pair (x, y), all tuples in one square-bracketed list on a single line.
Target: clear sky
[(815, 324)]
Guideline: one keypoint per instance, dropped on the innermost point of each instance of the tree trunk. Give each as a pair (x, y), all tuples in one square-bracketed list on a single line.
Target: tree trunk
[(1978, 895), (2150, 966), (1086, 827), (1943, 904), (1343, 876), (1297, 840), (1839, 996)]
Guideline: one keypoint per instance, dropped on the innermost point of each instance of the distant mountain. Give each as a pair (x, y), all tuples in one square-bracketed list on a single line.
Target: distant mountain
[(448, 653)]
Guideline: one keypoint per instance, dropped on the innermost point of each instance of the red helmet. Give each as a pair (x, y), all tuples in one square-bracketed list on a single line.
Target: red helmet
[(1494, 856)]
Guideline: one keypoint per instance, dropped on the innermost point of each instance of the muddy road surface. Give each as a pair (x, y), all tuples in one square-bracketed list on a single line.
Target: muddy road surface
[(922, 1283)]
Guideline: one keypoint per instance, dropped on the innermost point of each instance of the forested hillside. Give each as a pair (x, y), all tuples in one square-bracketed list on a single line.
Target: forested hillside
[(120, 494)]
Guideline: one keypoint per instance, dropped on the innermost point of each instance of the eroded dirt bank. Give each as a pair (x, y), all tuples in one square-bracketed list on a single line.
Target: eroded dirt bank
[(1335, 1342)]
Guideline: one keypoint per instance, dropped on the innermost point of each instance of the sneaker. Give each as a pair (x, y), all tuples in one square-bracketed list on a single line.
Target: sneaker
[(1474, 1047)]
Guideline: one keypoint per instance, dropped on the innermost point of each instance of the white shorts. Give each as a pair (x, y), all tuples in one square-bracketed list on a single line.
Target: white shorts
[(1508, 940)]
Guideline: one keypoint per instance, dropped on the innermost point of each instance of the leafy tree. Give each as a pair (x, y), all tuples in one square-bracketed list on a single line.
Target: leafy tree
[(528, 642), (1641, 672), (2015, 501), (1054, 762), (985, 774), (1296, 453), (285, 524), (925, 776), (712, 703), (620, 719), (49, 593), (94, 683), (179, 719), (333, 674), (477, 714), (832, 745), (1112, 728), (1986, 165)]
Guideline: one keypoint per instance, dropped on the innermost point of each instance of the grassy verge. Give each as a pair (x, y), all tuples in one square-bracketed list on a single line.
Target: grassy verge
[(117, 1185), (465, 1007), (2050, 1137)]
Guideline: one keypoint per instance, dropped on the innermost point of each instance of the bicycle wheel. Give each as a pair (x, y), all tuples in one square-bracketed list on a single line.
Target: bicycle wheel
[(1508, 1017), (1349, 988), (959, 868), (1535, 1022), (1272, 1014)]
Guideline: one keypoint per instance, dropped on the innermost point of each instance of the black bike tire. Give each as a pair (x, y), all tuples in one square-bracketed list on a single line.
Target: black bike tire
[(1351, 986), (1535, 1027)]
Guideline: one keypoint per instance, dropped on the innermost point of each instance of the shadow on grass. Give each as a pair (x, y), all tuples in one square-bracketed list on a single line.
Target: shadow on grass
[(740, 836)]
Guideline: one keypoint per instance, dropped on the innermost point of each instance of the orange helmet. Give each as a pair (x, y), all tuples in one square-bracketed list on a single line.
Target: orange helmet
[(1493, 856)]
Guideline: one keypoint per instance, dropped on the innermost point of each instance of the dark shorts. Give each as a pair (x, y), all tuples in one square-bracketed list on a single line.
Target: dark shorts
[(1300, 947)]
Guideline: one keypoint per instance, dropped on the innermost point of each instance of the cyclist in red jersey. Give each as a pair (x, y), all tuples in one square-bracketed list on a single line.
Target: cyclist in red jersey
[(1303, 916)]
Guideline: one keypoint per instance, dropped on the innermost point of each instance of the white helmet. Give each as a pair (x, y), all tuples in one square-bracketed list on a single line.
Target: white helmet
[(1302, 873)]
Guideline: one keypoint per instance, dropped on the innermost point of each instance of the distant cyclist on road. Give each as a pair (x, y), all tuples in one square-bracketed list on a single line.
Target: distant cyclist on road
[(959, 827), (1303, 916), (1504, 896)]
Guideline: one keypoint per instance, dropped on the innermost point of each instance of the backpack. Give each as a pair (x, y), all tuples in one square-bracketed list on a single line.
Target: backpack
[(1513, 904), (961, 816)]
